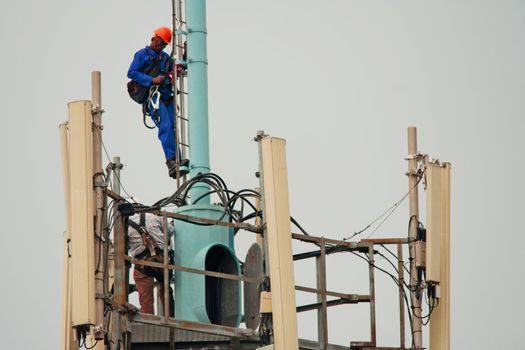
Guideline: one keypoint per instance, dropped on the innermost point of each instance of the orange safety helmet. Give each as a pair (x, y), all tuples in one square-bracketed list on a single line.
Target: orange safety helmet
[(164, 33)]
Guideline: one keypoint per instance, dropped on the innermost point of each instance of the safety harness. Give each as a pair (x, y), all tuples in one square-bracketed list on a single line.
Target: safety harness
[(149, 96), (152, 251), (137, 92), (149, 243)]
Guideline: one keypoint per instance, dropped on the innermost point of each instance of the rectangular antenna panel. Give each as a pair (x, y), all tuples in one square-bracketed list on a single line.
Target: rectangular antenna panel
[(436, 177), (438, 251), (82, 214)]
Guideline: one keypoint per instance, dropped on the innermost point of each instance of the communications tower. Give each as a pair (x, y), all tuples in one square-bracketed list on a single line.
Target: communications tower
[(223, 301)]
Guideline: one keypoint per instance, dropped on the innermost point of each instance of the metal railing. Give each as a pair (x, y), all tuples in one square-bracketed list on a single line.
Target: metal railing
[(326, 247)]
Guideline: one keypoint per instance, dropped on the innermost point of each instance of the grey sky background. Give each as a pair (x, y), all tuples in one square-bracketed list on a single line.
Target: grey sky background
[(341, 81)]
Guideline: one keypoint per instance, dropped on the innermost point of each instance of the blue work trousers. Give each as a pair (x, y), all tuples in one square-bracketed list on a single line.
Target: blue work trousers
[(165, 124)]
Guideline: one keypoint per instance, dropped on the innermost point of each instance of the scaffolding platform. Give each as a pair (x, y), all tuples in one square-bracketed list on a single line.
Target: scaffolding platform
[(156, 337)]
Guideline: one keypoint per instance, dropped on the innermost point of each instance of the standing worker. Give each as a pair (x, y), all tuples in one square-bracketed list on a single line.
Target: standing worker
[(146, 242), (150, 73)]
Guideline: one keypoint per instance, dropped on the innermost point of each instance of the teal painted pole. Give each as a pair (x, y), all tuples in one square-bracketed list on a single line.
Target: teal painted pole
[(203, 298), (198, 95)]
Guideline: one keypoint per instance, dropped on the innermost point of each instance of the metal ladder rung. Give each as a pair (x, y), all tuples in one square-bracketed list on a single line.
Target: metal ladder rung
[(183, 118)]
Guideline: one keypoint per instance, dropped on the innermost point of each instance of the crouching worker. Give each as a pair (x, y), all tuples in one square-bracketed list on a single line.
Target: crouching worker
[(146, 242), (151, 85)]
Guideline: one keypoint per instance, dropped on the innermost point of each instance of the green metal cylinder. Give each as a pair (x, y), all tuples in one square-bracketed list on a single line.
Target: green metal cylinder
[(203, 298)]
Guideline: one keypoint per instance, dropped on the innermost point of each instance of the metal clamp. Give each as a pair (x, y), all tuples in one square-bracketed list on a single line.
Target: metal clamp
[(96, 109), (260, 135), (417, 156), (197, 29), (198, 60)]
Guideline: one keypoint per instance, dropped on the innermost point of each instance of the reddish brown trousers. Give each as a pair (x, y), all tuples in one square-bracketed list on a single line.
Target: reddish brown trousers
[(145, 285)]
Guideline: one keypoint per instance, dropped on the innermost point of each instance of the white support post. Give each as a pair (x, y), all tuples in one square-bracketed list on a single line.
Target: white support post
[(413, 248), (98, 184), (279, 239)]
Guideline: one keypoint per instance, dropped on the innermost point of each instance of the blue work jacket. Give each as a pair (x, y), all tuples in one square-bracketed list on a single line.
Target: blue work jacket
[(142, 58)]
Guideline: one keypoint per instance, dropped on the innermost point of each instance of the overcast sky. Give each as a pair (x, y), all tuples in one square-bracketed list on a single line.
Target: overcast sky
[(340, 80)]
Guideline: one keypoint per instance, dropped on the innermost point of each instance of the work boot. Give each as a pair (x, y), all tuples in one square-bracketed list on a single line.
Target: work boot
[(172, 167)]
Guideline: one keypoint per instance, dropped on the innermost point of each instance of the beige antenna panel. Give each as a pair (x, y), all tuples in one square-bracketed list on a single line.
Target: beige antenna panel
[(279, 240), (438, 251), (437, 203), (81, 214)]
